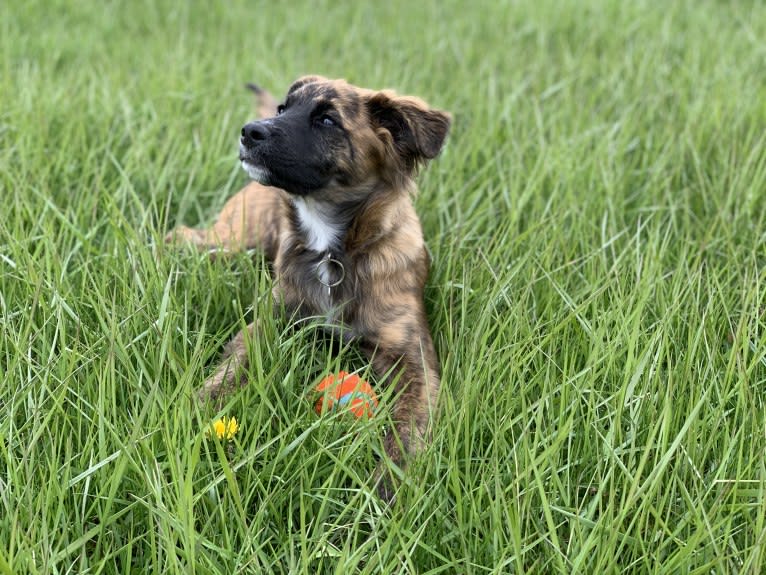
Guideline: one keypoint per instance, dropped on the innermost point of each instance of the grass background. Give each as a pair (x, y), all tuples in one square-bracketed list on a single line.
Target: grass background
[(598, 293)]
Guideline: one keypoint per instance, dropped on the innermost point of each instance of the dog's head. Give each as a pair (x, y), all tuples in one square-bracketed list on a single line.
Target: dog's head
[(329, 137)]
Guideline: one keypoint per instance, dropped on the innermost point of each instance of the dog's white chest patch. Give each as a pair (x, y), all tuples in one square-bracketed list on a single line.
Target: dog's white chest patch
[(316, 223)]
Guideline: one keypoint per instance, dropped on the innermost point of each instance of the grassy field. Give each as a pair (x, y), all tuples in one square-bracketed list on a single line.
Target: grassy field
[(598, 293)]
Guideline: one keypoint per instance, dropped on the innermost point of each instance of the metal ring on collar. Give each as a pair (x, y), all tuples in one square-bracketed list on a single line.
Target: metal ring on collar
[(331, 260)]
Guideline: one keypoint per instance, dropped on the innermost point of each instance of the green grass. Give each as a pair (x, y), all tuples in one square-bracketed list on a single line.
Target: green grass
[(598, 293)]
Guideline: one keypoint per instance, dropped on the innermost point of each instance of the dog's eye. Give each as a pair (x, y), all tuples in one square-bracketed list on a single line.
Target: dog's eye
[(280, 109), (326, 121)]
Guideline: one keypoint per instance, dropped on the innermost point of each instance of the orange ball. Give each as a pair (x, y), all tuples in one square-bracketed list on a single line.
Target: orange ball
[(346, 391)]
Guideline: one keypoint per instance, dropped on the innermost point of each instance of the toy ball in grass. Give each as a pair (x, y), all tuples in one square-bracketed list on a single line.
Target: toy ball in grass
[(346, 391)]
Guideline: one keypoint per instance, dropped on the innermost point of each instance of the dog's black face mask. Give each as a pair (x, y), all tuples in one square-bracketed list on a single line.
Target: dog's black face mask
[(333, 138), (302, 150)]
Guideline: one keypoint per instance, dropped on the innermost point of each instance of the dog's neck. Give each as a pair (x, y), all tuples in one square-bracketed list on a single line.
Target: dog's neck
[(329, 228), (322, 224)]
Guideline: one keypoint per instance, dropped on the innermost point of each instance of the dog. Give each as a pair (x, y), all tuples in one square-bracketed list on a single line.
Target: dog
[(331, 208)]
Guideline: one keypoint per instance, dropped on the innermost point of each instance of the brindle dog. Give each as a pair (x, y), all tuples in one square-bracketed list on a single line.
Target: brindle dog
[(331, 209)]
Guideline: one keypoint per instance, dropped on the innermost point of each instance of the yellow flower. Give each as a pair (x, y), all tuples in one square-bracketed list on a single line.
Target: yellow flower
[(226, 427)]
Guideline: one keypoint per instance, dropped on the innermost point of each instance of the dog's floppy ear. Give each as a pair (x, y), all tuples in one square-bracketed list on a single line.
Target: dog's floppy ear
[(417, 131)]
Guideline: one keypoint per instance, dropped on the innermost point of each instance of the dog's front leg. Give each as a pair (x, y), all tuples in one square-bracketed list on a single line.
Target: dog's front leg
[(403, 354), (234, 361)]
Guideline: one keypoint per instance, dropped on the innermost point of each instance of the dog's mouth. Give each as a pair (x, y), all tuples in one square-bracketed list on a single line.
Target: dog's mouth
[(255, 170), (260, 175)]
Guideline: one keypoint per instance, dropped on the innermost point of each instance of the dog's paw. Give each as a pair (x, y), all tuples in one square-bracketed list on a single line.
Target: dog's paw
[(230, 375), (201, 240), (184, 235), (386, 483), (212, 393)]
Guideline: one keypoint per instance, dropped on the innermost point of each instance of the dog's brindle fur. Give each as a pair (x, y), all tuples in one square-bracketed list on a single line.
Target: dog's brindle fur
[(335, 168)]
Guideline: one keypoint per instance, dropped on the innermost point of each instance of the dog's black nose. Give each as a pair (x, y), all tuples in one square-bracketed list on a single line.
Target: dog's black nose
[(254, 132)]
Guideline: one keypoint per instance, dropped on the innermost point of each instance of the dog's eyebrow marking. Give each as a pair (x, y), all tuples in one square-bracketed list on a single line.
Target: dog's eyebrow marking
[(327, 93), (312, 90), (328, 107), (317, 224), (323, 106)]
